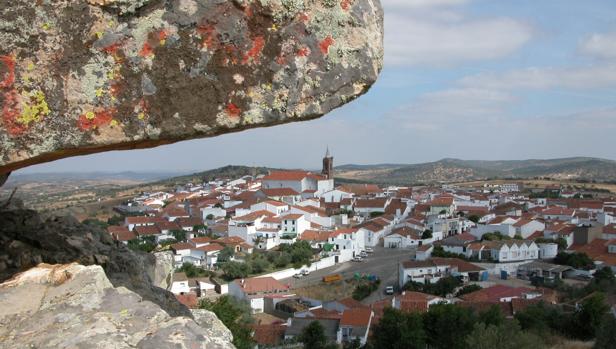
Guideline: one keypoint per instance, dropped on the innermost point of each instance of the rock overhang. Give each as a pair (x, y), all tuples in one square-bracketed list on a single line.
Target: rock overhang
[(84, 76)]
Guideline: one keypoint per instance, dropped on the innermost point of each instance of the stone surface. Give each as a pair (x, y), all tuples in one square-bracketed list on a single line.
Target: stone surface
[(26, 239), (210, 322), (74, 306), (161, 272), (84, 76)]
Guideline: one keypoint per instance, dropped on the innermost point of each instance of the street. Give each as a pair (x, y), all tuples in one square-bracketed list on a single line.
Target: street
[(383, 263)]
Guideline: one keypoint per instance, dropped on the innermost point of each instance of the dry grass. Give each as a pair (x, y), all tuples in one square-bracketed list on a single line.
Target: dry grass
[(328, 292)]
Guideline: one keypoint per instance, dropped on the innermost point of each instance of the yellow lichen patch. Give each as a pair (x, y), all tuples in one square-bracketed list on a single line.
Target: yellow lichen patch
[(90, 115), (114, 122), (34, 107), (141, 116)]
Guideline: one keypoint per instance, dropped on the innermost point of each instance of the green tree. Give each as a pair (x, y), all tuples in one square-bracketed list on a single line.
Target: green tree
[(193, 271), (209, 217), (179, 235), (282, 260), (427, 234), (115, 220), (474, 218), (606, 333), (236, 316), (543, 318), (442, 287), (493, 316), (259, 265), (447, 324), (354, 344), (576, 260), (398, 330), (587, 319), (313, 336), (225, 254), (468, 289), (199, 228), (504, 336), (235, 270), (605, 274)]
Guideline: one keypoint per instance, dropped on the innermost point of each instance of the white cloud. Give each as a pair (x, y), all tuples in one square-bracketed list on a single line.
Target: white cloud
[(597, 76), (440, 110), (437, 33), (600, 45)]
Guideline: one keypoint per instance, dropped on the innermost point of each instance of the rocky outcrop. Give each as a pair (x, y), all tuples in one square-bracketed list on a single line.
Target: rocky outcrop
[(74, 306), (161, 273), (213, 325), (26, 239), (84, 76)]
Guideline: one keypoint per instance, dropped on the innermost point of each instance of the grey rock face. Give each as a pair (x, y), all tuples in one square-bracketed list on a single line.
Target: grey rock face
[(161, 272), (212, 324), (26, 240), (85, 76), (74, 306)]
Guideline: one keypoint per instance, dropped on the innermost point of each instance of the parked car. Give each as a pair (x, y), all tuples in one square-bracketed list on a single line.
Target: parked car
[(363, 254), (369, 250), (305, 272), (389, 290), (298, 275), (357, 259)]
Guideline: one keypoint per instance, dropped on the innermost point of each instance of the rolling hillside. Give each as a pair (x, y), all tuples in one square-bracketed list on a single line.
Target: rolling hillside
[(455, 170)]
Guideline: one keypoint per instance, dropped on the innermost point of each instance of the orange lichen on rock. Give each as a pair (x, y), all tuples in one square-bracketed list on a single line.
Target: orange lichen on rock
[(92, 120), (325, 44), (233, 110), (9, 76), (346, 4), (257, 47)]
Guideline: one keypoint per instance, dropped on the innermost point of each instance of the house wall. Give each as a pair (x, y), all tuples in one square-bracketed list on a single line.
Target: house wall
[(504, 229)]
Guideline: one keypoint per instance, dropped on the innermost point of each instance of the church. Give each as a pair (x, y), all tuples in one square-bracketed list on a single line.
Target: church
[(304, 183)]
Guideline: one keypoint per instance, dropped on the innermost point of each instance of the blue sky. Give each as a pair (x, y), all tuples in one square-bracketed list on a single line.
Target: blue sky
[(472, 79)]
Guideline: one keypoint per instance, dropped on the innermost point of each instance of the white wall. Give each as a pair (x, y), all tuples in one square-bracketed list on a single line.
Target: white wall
[(287, 273)]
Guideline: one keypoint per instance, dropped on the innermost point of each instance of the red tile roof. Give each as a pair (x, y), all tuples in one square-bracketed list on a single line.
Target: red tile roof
[(121, 234), (276, 192), (356, 317), (253, 216), (414, 301), (292, 216), (286, 176), (210, 248), (361, 189), (269, 335), (147, 230), (182, 246), (496, 292), (201, 240), (371, 203)]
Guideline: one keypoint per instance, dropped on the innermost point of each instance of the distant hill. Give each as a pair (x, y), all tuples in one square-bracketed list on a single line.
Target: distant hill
[(230, 171), (456, 170)]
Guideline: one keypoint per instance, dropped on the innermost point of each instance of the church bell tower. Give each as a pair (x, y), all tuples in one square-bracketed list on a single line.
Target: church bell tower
[(328, 165)]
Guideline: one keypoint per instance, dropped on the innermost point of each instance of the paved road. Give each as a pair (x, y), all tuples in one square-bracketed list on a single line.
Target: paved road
[(383, 263)]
